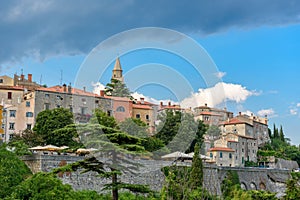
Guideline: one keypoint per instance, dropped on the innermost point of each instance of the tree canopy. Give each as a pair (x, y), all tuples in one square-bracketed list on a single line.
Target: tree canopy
[(117, 88), (48, 121), (12, 171)]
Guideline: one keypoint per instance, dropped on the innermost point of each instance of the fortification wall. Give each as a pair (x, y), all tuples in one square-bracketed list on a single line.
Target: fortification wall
[(150, 174)]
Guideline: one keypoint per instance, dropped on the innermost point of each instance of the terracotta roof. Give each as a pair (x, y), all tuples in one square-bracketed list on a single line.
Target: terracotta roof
[(209, 113), (7, 87), (247, 137), (221, 149), (232, 141), (60, 89), (118, 98), (141, 106), (234, 121)]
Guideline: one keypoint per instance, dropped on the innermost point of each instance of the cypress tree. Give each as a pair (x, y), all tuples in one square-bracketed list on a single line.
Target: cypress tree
[(196, 175)]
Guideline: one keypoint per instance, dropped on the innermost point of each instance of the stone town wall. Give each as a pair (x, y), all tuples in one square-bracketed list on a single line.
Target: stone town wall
[(150, 174)]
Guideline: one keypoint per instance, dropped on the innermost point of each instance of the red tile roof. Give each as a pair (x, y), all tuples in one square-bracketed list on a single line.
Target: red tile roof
[(234, 121), (141, 106), (60, 89), (7, 87), (221, 149), (209, 113)]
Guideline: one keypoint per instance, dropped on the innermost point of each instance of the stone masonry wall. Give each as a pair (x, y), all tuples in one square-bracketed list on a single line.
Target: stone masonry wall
[(150, 174)]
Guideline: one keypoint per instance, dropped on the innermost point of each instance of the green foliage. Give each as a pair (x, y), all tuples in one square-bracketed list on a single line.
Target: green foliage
[(19, 147), (12, 171), (101, 117), (230, 185), (66, 136), (201, 131), (293, 187), (262, 195), (48, 121), (169, 125), (135, 127), (250, 164), (152, 144), (117, 88), (29, 137), (186, 134), (46, 186), (213, 130), (196, 175)]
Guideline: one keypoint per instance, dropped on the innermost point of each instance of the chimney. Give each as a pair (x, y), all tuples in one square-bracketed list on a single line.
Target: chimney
[(102, 92), (240, 113), (30, 77), (22, 77), (142, 100), (205, 104), (65, 87), (161, 104), (84, 88), (69, 88), (169, 103)]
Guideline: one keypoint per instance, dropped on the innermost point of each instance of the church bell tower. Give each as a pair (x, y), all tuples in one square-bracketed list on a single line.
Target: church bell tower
[(117, 71)]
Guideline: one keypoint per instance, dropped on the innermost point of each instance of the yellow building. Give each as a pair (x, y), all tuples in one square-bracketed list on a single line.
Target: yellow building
[(145, 111), (2, 134)]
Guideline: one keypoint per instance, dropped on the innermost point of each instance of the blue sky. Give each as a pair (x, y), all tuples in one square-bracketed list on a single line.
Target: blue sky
[(255, 44)]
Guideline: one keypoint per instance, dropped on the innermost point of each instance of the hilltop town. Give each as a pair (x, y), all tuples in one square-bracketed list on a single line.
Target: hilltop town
[(236, 140)]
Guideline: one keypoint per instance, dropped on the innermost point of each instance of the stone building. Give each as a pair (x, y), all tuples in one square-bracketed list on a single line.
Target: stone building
[(212, 116), (146, 112), (252, 126)]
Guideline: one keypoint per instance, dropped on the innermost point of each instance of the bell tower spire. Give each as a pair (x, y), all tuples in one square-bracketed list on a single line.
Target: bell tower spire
[(117, 71)]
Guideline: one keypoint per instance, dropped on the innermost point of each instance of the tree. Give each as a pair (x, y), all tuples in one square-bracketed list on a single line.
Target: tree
[(231, 185), (213, 130), (46, 186), (29, 137), (117, 88), (135, 127), (12, 171), (281, 134), (100, 117), (48, 121), (293, 187), (186, 134), (168, 126), (201, 131), (196, 176), (275, 132)]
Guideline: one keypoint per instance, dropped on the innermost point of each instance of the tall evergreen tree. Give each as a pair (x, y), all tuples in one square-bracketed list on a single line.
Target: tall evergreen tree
[(281, 134), (275, 132), (196, 175), (117, 89)]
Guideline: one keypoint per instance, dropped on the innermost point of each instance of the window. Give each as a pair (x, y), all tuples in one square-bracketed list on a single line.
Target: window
[(211, 155), (83, 110), (46, 106), (206, 118), (71, 108), (1, 80), (253, 144), (137, 116), (29, 114), (243, 143), (11, 126), (9, 95), (96, 101), (57, 106), (3, 126), (147, 117), (27, 103), (12, 113), (109, 113), (243, 150), (58, 97), (29, 126), (120, 109), (11, 136), (243, 160), (47, 96), (230, 156), (221, 155)]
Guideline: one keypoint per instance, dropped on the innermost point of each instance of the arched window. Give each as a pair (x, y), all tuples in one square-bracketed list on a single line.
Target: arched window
[(120, 109)]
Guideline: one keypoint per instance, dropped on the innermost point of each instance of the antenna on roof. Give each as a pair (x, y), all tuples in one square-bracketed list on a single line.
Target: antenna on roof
[(22, 71), (61, 76), (41, 79)]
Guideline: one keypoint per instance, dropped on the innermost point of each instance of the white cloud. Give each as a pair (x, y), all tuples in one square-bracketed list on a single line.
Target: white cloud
[(220, 74), (97, 87), (293, 111), (137, 96), (298, 104), (270, 112), (247, 112), (218, 94)]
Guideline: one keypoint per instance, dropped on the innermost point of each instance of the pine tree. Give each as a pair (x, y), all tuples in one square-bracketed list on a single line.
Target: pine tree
[(281, 134), (196, 176), (275, 132)]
